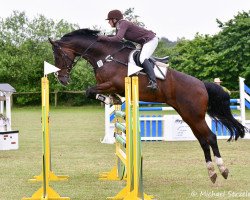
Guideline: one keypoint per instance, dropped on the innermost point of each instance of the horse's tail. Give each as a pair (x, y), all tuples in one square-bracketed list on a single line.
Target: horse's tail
[(219, 109)]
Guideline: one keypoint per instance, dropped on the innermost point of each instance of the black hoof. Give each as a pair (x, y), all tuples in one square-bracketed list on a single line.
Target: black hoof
[(225, 173), (213, 177), (115, 100)]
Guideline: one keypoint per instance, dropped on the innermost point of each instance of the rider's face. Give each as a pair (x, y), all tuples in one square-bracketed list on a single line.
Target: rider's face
[(112, 22)]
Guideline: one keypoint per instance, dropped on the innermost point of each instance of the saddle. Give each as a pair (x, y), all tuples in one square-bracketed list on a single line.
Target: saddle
[(160, 64), (136, 57)]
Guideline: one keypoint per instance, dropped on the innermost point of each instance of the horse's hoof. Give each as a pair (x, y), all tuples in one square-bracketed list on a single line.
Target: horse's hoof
[(225, 173), (115, 100), (213, 177)]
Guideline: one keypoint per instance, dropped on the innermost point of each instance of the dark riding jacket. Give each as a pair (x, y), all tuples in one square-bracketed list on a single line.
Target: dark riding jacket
[(131, 32)]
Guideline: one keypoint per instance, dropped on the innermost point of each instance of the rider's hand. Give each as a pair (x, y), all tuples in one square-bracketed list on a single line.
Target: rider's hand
[(101, 38)]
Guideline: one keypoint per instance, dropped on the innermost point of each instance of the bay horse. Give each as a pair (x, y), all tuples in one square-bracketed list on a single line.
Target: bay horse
[(189, 96)]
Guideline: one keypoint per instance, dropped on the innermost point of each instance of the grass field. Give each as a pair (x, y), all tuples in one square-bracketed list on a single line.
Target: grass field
[(172, 170)]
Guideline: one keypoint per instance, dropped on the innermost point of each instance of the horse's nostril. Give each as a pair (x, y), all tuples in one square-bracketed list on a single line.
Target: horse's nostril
[(63, 82)]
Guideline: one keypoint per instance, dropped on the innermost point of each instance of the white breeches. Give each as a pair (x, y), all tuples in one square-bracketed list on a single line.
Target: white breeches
[(148, 49)]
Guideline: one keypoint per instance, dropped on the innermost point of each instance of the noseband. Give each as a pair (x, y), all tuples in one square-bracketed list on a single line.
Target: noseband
[(66, 57)]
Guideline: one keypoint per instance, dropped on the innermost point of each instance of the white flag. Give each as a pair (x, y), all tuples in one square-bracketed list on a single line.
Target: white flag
[(133, 69), (48, 68)]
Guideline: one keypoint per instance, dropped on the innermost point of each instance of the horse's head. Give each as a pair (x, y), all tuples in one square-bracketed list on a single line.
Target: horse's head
[(77, 43), (64, 60)]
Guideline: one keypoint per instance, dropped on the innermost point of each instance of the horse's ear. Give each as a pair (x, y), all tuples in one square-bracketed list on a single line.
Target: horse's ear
[(52, 42)]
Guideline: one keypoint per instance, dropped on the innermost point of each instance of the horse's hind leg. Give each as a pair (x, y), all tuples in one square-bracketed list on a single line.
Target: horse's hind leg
[(213, 143), (206, 139), (206, 149)]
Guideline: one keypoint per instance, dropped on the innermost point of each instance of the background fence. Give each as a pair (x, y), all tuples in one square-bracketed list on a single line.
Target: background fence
[(57, 98), (62, 98)]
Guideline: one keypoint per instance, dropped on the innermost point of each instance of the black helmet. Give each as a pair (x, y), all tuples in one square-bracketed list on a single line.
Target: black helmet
[(115, 14)]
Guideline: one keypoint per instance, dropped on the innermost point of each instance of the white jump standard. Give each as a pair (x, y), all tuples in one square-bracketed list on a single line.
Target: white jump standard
[(8, 137)]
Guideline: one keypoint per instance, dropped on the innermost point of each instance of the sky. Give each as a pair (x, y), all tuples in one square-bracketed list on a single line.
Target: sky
[(171, 19)]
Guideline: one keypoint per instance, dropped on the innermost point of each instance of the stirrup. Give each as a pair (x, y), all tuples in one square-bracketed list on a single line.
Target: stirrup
[(152, 85)]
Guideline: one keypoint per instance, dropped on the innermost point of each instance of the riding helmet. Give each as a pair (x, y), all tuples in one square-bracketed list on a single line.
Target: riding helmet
[(115, 14)]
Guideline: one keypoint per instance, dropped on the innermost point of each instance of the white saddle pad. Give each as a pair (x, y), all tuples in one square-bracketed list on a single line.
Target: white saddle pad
[(160, 68)]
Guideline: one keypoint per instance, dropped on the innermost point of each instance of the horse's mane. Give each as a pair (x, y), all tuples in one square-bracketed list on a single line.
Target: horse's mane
[(82, 32), (93, 33)]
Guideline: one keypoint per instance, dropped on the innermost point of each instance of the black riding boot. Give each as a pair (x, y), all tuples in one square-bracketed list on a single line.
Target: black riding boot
[(148, 68)]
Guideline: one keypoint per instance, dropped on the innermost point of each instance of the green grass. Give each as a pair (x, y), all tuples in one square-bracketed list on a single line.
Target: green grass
[(172, 170)]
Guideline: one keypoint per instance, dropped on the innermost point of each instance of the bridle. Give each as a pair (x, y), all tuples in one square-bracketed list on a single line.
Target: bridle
[(73, 62), (66, 58)]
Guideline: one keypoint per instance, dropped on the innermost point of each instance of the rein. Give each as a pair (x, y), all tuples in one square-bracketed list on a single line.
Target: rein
[(73, 62), (108, 58)]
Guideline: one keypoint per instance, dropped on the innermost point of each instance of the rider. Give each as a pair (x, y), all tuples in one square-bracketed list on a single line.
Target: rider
[(130, 31)]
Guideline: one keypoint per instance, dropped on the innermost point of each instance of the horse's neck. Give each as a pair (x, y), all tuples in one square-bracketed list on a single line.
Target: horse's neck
[(101, 54)]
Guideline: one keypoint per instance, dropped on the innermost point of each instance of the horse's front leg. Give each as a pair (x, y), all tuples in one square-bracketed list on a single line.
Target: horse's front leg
[(99, 92)]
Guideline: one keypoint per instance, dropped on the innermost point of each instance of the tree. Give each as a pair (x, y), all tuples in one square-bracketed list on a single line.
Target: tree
[(225, 55), (232, 45), (24, 47), (131, 16), (165, 47)]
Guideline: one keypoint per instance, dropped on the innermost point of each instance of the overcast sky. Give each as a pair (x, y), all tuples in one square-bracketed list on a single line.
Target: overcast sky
[(171, 19)]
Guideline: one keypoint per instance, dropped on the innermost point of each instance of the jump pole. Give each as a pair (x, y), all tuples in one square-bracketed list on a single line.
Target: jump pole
[(134, 186), (46, 192)]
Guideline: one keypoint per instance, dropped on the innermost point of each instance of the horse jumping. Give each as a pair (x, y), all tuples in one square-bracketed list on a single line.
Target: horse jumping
[(190, 97)]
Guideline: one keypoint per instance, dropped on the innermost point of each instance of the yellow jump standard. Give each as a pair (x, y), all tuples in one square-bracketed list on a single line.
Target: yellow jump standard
[(46, 192)]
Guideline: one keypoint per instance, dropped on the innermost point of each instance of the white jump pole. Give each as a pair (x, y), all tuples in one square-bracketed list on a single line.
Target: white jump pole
[(109, 136), (8, 110), (242, 101), (1, 104)]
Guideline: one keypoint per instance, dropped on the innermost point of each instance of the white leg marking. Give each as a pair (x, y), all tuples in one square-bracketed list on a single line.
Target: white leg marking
[(210, 168), (220, 164)]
